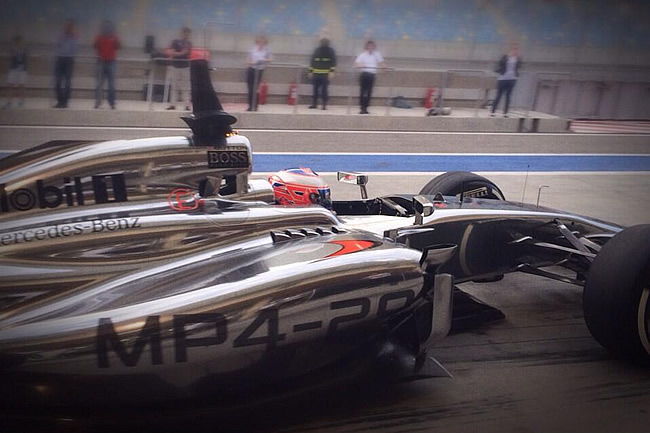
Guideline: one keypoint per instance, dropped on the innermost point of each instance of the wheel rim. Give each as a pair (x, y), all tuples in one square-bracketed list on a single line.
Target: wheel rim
[(643, 319)]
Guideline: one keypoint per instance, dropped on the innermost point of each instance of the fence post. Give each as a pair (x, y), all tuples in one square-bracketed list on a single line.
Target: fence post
[(167, 85), (444, 81), (350, 76), (390, 91), (256, 82), (478, 97), (298, 80), (617, 103), (532, 96), (152, 65), (576, 105)]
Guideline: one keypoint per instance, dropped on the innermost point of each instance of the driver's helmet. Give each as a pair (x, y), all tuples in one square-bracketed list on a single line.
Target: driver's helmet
[(300, 186)]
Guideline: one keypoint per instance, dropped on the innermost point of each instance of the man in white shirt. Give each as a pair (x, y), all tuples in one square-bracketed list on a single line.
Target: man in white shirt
[(257, 60), (368, 61)]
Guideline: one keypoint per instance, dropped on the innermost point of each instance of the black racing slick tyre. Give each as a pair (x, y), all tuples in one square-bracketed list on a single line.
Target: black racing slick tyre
[(473, 185), (616, 298)]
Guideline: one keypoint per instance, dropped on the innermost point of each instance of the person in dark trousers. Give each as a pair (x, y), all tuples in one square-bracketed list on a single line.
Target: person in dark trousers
[(368, 61), (179, 70), (17, 76), (66, 49), (508, 70), (106, 45), (321, 71), (257, 60)]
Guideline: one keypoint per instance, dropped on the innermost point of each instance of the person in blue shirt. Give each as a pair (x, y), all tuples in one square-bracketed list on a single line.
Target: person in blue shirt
[(66, 49)]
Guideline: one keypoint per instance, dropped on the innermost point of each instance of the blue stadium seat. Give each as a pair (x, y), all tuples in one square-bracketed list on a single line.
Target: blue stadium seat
[(598, 23), (444, 20), (38, 12), (297, 17)]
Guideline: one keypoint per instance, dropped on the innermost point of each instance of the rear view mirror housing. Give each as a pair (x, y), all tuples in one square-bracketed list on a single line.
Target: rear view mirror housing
[(423, 207), (354, 178)]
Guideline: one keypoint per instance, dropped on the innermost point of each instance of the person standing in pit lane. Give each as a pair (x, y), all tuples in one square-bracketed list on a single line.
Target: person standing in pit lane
[(66, 49), (179, 69), (508, 70), (368, 61), (321, 71), (106, 44), (17, 76), (257, 60)]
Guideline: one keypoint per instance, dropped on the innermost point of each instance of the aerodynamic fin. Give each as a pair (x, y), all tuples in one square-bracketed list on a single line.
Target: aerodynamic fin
[(209, 122)]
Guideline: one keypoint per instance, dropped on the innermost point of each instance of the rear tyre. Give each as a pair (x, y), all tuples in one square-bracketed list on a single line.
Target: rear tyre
[(453, 182), (616, 298)]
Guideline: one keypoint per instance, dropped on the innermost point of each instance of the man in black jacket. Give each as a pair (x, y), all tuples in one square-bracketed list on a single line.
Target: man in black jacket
[(323, 63)]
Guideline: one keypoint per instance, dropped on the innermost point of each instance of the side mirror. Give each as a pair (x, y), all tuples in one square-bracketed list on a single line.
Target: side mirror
[(423, 207), (354, 178)]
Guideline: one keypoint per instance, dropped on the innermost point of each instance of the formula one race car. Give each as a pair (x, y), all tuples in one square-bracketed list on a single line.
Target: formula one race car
[(154, 269)]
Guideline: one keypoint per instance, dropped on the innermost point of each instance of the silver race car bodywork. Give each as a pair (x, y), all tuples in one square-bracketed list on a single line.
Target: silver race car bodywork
[(154, 269)]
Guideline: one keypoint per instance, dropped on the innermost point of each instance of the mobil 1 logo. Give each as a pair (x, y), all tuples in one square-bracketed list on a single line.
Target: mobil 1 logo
[(105, 188)]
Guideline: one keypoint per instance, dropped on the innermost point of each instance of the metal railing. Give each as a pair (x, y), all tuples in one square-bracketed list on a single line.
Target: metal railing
[(165, 61), (298, 67), (556, 84), (356, 71), (471, 72), (153, 63), (444, 82)]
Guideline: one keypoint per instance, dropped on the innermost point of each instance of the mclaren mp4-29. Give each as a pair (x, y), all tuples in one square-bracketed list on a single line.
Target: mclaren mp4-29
[(157, 269)]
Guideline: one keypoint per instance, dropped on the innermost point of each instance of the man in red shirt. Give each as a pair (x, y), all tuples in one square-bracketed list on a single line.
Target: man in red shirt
[(106, 45)]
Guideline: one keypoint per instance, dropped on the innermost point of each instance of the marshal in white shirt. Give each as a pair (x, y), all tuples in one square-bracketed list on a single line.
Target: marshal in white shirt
[(369, 60), (258, 57)]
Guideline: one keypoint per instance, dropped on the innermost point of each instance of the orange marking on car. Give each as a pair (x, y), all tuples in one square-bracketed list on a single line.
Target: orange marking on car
[(352, 246)]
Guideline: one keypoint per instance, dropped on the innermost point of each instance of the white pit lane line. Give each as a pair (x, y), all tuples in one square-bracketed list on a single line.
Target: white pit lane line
[(321, 131)]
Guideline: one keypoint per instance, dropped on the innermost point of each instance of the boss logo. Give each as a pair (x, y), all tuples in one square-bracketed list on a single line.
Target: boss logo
[(227, 159), (71, 193)]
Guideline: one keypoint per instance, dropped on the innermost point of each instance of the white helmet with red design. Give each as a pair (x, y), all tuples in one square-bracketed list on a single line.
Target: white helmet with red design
[(300, 186)]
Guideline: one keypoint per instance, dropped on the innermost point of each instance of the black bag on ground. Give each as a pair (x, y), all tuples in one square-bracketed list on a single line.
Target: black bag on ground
[(400, 102)]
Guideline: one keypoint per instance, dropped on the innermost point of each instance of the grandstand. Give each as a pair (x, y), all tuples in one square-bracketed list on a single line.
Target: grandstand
[(290, 17), (442, 20), (550, 23), (578, 53)]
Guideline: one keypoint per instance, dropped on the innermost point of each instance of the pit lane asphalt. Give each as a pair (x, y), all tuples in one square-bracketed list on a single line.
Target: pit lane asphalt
[(538, 370), (19, 137)]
